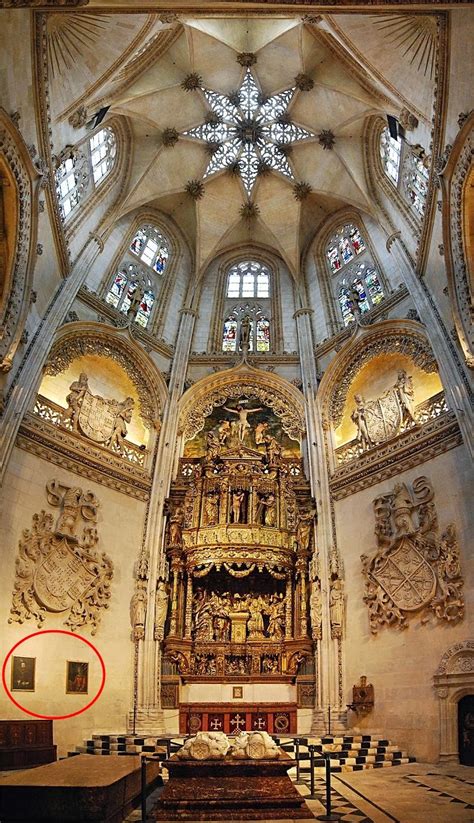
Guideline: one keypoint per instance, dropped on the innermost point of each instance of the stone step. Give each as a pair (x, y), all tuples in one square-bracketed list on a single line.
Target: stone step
[(346, 753)]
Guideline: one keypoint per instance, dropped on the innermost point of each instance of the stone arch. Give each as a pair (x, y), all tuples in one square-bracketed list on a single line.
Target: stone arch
[(453, 679), (318, 246), (19, 188), (81, 338), (282, 397), (226, 259), (457, 181)]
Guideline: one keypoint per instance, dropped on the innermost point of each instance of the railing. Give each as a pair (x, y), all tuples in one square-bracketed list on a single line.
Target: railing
[(428, 410), (52, 413)]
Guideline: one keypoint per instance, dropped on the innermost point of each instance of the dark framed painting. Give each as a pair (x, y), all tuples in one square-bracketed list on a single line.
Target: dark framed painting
[(77, 677), (23, 674), (237, 692)]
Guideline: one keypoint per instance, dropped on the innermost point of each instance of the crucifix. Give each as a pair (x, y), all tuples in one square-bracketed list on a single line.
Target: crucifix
[(238, 722)]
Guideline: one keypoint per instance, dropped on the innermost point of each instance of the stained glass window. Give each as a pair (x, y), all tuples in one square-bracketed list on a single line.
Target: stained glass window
[(151, 247), (390, 152), (103, 149), (361, 288), (259, 336), (415, 182), (345, 244), (132, 287), (248, 279)]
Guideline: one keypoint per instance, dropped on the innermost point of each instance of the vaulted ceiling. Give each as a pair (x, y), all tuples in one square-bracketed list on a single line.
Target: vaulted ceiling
[(337, 84)]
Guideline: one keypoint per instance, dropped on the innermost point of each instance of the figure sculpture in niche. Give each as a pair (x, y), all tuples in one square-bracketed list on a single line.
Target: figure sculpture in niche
[(176, 527), (243, 423), (255, 624), (211, 508), (336, 607), (266, 514), (138, 611), (303, 529), (276, 625), (237, 500), (316, 610), (358, 417), (406, 395), (245, 327), (124, 416), (74, 399), (161, 609)]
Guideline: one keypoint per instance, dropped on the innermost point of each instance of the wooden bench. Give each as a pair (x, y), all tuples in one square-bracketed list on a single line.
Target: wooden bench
[(81, 789)]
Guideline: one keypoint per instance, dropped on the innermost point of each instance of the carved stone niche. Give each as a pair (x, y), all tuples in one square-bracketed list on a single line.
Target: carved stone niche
[(454, 678)]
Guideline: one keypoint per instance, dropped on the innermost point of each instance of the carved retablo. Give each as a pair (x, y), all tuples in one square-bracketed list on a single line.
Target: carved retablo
[(239, 538), (415, 570)]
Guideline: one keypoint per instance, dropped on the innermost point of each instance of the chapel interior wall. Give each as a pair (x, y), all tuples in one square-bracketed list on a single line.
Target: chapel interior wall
[(119, 524), (401, 663)]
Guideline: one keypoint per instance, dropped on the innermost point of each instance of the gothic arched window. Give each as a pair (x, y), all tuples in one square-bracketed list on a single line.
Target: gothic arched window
[(248, 278), (259, 337), (357, 284), (132, 289), (360, 288), (151, 247), (84, 169), (404, 166), (102, 147)]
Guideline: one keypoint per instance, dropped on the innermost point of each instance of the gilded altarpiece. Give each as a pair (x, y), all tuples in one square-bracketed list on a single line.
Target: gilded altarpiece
[(239, 541)]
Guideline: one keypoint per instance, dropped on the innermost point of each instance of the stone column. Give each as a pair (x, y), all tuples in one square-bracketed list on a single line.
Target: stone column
[(27, 374), (451, 368), (149, 715), (326, 661), (289, 608), (188, 611)]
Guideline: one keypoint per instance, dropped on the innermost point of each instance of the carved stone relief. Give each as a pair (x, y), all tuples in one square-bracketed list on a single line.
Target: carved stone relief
[(103, 421), (59, 568), (414, 570), (380, 419)]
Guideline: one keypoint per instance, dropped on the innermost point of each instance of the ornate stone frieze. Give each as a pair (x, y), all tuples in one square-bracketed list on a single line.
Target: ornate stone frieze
[(414, 569), (81, 343), (59, 568), (74, 453), (411, 448), (382, 341), (18, 281)]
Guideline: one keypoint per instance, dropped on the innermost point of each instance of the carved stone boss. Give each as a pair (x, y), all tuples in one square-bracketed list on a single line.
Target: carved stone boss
[(414, 570), (59, 569)]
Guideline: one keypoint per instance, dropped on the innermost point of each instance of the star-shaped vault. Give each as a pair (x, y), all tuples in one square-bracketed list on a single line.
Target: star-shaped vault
[(248, 132)]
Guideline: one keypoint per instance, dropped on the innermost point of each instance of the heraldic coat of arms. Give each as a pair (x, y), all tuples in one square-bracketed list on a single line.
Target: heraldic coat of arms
[(414, 569), (59, 571)]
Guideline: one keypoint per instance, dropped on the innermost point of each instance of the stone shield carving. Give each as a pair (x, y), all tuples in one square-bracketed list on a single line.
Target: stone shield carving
[(383, 416), (59, 569), (97, 417), (415, 569), (407, 577), (62, 578)]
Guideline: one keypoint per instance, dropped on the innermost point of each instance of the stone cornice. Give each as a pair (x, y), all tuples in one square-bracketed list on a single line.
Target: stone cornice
[(78, 455), (415, 446)]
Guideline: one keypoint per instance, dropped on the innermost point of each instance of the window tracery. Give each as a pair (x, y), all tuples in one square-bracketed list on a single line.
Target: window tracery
[(248, 278), (259, 329), (151, 247), (357, 284), (84, 170), (406, 170)]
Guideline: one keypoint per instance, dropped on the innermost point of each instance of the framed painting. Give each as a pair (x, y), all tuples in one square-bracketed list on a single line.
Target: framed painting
[(237, 692), (77, 677), (23, 674)]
